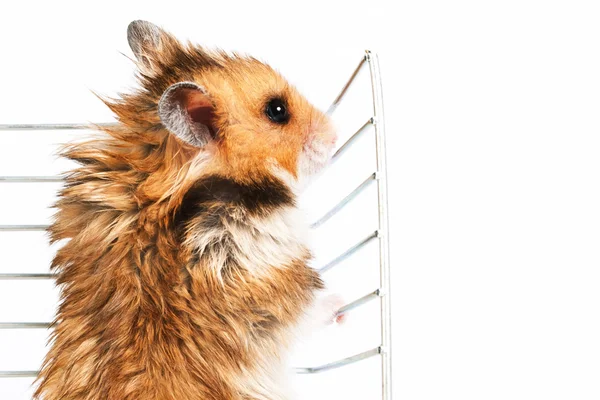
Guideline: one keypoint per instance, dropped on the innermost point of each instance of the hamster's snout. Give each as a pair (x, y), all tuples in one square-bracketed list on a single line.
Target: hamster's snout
[(318, 146), (322, 130), (329, 136), (322, 137)]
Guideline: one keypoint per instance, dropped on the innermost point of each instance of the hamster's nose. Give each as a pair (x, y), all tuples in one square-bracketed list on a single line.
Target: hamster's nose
[(334, 138), (331, 135)]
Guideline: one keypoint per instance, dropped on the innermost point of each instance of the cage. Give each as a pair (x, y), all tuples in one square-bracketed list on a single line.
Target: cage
[(358, 173)]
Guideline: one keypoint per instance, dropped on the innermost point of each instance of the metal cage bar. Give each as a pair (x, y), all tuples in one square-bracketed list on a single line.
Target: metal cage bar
[(340, 363), (18, 374), (25, 276), (25, 325), (379, 176), (30, 179), (339, 206), (22, 228), (382, 232), (344, 90), (384, 262), (359, 302), (343, 148), (54, 127), (348, 252)]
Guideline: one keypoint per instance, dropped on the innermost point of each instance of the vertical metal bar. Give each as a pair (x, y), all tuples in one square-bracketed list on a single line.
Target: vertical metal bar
[(384, 264)]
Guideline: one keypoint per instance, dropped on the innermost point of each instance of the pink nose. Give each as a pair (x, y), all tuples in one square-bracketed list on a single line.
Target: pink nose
[(334, 139)]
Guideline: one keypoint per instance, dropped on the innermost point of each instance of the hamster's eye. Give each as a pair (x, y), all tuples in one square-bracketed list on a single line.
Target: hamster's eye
[(277, 111)]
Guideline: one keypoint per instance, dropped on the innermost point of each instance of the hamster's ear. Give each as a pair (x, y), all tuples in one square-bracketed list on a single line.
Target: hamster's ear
[(145, 40), (186, 110)]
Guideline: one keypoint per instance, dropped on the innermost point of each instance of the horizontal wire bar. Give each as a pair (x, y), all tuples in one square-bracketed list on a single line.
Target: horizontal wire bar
[(340, 363), (348, 252), (310, 370), (359, 302), (20, 228), (43, 325), (26, 276), (47, 127), (340, 96), (344, 201), (19, 374), (30, 179), (25, 325), (39, 325), (343, 148)]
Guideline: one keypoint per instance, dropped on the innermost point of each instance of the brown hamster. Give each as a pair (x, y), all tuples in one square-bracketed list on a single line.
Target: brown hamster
[(185, 271)]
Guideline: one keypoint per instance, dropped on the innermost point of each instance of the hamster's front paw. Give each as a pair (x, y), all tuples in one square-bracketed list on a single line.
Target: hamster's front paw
[(330, 306)]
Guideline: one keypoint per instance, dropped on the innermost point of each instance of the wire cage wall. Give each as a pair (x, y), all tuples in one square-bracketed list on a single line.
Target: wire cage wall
[(374, 124)]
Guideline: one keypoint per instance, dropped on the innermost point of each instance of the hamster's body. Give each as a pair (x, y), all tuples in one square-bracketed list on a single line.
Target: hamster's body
[(185, 272)]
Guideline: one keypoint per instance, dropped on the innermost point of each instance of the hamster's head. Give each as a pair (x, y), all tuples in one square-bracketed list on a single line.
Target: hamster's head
[(234, 110)]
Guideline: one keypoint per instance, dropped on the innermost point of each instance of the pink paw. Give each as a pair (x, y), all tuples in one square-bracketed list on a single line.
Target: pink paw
[(331, 305)]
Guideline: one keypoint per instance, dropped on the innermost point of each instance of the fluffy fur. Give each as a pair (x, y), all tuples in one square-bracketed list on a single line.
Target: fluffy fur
[(184, 268)]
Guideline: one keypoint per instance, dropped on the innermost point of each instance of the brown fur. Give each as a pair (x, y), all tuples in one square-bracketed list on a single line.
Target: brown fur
[(144, 314)]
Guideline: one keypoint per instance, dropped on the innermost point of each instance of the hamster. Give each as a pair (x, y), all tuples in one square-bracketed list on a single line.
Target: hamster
[(184, 273)]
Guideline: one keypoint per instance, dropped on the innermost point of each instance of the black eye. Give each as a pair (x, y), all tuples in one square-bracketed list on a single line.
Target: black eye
[(277, 111)]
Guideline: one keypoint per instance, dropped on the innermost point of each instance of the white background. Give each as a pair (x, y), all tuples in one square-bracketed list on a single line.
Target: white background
[(493, 141)]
